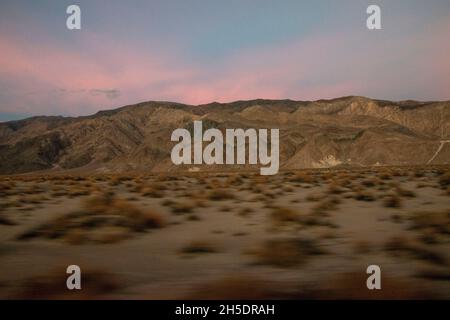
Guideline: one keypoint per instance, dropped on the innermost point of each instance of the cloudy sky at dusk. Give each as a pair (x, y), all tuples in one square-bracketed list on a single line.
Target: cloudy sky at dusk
[(199, 51)]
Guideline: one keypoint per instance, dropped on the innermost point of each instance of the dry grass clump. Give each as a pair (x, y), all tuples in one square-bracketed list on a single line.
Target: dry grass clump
[(428, 236), (327, 205), (179, 208), (397, 243), (7, 188), (313, 197), (193, 217), (303, 177), (441, 274), (96, 284), (79, 191), (220, 195), (397, 218), (59, 192), (335, 189), (416, 173), (199, 200), (286, 253), (362, 247), (420, 185), (236, 287), (370, 182), (116, 180), (405, 193), (352, 286), (31, 199), (342, 179), (403, 246), (138, 220), (444, 180), (312, 220), (32, 189), (256, 188), (364, 195), (282, 216), (199, 246), (167, 202), (435, 222), (234, 180), (103, 219), (5, 221), (225, 209), (385, 175), (244, 212), (392, 201), (152, 191)]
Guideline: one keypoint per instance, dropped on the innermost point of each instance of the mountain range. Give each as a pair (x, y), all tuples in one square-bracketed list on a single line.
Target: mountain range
[(347, 131)]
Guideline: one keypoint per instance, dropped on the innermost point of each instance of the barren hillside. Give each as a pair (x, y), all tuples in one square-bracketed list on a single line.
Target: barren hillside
[(353, 131)]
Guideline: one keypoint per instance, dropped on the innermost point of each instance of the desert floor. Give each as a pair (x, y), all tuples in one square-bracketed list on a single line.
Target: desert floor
[(300, 234)]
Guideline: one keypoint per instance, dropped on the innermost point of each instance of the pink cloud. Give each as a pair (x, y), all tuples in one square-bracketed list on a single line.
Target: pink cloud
[(50, 72), (51, 79)]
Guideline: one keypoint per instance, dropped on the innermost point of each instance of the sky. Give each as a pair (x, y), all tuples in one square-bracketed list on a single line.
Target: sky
[(200, 51)]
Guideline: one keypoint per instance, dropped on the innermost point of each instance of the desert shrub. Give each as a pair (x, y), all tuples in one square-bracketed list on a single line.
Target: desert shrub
[(442, 274), (244, 212), (405, 193), (392, 201), (369, 182), (220, 195), (363, 195), (110, 234), (152, 191), (167, 203), (5, 221), (236, 287), (59, 192), (362, 247), (182, 208), (326, 205), (313, 197), (444, 180), (199, 246), (398, 246), (438, 221), (352, 285), (193, 217), (335, 189), (96, 284), (281, 216), (385, 175), (234, 180), (103, 211), (397, 218), (428, 236), (80, 191), (286, 253), (303, 177)]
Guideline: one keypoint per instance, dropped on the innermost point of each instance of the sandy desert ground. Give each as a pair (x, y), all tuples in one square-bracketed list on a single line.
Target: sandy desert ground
[(299, 234)]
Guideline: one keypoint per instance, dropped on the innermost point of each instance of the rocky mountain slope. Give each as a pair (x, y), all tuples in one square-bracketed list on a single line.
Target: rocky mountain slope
[(354, 131)]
